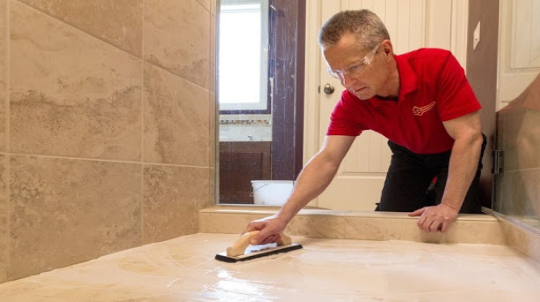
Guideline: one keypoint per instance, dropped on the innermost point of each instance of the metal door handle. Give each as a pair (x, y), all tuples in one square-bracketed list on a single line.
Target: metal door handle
[(328, 89)]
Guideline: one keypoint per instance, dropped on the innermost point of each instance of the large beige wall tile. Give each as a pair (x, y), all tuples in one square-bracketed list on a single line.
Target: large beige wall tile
[(518, 192), (530, 182), (176, 119), (177, 38), (4, 214), (67, 211), (173, 197), (206, 4), (3, 73), (118, 22), (71, 94)]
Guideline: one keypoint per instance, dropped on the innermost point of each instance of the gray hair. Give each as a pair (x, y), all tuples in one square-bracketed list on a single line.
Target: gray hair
[(364, 24)]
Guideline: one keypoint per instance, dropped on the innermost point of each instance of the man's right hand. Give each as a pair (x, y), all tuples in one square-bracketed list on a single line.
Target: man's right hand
[(269, 227), (311, 182)]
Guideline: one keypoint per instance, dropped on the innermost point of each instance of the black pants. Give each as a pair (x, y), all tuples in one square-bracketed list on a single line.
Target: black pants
[(407, 185)]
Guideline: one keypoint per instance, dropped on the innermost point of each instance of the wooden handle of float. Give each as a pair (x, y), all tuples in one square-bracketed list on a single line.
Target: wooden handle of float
[(242, 243)]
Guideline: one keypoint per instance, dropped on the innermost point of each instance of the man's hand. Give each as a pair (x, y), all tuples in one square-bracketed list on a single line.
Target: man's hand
[(436, 218), (269, 227)]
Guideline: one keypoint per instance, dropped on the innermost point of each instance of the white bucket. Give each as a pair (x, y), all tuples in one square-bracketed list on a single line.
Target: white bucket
[(271, 192)]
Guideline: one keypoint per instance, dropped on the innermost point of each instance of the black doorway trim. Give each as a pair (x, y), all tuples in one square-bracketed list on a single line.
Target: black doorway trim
[(287, 53)]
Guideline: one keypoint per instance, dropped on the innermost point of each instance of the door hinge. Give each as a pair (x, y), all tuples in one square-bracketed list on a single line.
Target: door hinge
[(498, 162)]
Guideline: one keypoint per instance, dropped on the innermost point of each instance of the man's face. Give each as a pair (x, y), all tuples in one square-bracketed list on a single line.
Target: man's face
[(362, 72)]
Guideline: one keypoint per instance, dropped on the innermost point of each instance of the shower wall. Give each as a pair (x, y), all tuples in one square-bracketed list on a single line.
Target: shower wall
[(106, 127), (518, 136)]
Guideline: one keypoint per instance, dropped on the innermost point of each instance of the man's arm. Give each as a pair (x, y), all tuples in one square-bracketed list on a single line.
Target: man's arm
[(312, 181), (467, 135)]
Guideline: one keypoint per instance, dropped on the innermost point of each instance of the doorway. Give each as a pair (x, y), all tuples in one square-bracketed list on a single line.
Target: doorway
[(260, 138), (411, 24)]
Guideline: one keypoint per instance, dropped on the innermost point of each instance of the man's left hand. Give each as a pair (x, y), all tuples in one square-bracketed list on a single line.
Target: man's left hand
[(436, 218)]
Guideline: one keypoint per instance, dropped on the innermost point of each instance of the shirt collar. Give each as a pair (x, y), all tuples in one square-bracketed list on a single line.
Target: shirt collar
[(407, 78)]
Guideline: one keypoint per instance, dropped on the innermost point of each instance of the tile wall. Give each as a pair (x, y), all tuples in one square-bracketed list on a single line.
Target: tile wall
[(106, 127)]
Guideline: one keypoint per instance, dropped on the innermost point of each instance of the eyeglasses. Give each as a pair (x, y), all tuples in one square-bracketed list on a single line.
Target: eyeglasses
[(355, 69)]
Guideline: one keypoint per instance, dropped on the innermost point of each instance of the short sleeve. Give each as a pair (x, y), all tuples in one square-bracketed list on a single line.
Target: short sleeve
[(455, 97)]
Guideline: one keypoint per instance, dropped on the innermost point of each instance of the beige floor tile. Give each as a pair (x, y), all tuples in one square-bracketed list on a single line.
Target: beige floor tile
[(183, 269)]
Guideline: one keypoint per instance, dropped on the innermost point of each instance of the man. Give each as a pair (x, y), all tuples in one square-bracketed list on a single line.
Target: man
[(421, 101)]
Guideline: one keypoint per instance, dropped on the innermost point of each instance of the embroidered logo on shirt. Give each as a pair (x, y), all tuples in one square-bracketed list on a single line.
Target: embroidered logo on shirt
[(419, 111)]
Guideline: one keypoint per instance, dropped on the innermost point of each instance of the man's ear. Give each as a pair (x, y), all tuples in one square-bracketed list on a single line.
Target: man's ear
[(387, 47)]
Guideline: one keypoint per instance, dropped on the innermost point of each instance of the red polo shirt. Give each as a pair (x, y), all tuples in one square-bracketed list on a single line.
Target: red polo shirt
[(433, 89)]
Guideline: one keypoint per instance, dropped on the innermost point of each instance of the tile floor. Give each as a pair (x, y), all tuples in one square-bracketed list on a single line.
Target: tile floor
[(184, 269)]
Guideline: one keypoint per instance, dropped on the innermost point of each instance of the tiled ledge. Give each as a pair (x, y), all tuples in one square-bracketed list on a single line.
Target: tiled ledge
[(520, 236), (317, 223)]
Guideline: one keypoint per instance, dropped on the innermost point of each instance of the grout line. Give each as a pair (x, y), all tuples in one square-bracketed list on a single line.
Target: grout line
[(7, 138), (164, 69), (142, 107), (142, 119), (7, 58), (213, 161), (141, 56), (103, 160), (76, 28), (521, 170)]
